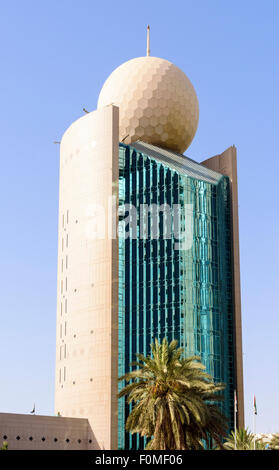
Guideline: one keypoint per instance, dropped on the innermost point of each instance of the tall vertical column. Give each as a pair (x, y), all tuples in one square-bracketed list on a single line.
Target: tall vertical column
[(87, 298), (226, 164)]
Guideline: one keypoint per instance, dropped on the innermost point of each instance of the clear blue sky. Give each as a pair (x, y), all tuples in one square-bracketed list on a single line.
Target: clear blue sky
[(55, 56)]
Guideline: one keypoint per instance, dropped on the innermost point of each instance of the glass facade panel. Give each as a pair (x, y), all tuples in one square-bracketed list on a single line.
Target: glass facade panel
[(166, 292)]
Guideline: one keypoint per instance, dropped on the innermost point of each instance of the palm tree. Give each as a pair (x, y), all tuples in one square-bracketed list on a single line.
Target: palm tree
[(243, 440), (173, 400), (4, 446), (274, 443)]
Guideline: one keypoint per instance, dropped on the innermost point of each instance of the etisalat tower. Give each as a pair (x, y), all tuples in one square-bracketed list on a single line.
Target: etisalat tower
[(120, 285)]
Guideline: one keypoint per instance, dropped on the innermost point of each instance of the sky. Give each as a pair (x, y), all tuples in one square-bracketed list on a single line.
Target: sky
[(55, 56)]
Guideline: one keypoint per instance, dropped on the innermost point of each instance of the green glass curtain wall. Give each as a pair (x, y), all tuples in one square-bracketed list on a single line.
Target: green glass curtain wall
[(177, 294)]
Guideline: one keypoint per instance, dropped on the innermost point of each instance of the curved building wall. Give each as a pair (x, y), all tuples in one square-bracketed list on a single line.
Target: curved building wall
[(86, 346)]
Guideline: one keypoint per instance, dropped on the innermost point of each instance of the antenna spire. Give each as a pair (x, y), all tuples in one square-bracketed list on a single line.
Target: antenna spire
[(148, 42)]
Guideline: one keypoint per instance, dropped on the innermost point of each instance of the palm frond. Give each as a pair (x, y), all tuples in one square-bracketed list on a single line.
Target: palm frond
[(173, 400)]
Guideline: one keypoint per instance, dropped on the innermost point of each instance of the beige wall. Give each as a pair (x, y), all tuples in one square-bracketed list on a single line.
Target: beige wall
[(226, 163), (87, 293), (46, 432)]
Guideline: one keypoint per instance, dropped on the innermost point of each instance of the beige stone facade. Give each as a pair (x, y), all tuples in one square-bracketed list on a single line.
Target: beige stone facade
[(87, 308), (226, 164), (28, 432)]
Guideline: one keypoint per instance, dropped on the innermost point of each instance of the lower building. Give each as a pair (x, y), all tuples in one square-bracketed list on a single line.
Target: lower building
[(32, 432)]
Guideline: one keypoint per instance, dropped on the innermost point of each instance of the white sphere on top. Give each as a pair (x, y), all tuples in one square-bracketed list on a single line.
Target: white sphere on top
[(157, 103)]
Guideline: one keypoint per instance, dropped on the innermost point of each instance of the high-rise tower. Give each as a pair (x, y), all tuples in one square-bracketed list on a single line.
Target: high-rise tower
[(125, 277)]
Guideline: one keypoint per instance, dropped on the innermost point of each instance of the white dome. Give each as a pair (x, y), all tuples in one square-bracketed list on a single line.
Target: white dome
[(157, 103)]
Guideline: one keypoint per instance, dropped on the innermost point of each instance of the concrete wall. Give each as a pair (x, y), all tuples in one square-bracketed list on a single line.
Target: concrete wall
[(226, 164), (87, 292), (29, 432)]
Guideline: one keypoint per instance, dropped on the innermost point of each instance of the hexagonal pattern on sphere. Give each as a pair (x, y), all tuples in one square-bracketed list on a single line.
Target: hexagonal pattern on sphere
[(157, 103)]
